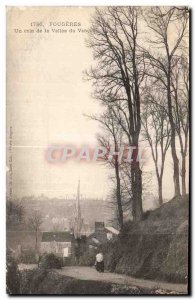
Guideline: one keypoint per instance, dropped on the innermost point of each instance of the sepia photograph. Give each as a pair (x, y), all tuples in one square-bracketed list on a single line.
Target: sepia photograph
[(98, 150)]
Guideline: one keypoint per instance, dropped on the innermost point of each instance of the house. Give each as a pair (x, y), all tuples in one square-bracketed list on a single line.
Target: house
[(101, 235), (59, 243)]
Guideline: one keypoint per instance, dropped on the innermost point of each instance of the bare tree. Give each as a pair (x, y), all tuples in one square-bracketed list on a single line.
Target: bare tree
[(118, 75), (111, 140), (56, 226), (180, 86), (35, 222), (164, 48), (156, 130)]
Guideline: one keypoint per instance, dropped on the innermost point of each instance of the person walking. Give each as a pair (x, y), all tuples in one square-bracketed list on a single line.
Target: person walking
[(99, 262)]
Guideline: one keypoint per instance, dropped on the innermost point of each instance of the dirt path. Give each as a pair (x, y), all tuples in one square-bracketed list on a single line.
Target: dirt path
[(86, 273)]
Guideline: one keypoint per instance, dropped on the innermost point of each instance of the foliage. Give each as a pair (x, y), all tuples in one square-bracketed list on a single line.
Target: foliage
[(14, 212), (12, 276), (28, 257), (45, 282), (50, 261), (69, 261), (118, 289), (88, 259)]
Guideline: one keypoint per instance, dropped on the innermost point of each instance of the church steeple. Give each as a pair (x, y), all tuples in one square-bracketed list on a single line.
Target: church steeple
[(78, 222)]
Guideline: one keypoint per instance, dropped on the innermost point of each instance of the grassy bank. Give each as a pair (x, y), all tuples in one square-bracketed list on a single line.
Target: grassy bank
[(156, 247)]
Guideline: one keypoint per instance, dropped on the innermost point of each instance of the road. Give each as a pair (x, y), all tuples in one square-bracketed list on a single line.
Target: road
[(87, 273)]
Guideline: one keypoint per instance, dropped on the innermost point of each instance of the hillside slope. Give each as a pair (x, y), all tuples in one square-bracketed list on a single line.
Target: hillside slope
[(156, 247)]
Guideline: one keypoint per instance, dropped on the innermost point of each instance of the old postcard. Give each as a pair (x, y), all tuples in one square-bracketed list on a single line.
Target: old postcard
[(97, 150)]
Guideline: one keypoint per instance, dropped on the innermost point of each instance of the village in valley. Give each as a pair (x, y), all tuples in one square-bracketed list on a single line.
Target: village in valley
[(68, 239)]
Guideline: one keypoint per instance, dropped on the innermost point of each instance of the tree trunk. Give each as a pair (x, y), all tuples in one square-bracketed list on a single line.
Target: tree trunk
[(118, 195), (173, 148), (36, 240), (183, 175), (176, 169), (160, 197), (136, 176)]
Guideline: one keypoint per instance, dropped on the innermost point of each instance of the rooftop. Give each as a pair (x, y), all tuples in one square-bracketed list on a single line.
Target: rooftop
[(56, 236), (112, 229)]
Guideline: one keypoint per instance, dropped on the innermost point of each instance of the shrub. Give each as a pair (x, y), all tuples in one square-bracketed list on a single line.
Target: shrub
[(88, 258), (69, 261), (146, 214), (48, 282), (28, 257), (12, 276), (51, 261)]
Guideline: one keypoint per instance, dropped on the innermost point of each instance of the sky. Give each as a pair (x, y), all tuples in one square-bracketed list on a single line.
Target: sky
[(46, 102)]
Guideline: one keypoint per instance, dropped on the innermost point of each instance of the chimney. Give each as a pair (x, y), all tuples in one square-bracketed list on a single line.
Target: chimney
[(99, 226)]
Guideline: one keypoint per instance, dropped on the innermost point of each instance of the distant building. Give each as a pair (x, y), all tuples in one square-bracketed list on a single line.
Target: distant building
[(59, 243), (101, 235), (64, 243)]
